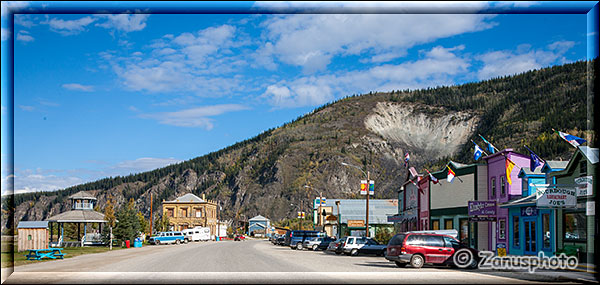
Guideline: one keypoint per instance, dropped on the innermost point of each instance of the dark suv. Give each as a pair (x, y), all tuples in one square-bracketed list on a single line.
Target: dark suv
[(417, 249), (295, 239)]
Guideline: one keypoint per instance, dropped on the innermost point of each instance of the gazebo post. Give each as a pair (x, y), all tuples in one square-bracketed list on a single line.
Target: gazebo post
[(62, 231), (84, 230), (50, 232), (78, 231)]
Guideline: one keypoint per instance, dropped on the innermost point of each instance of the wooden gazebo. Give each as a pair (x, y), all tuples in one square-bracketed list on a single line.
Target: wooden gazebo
[(82, 212)]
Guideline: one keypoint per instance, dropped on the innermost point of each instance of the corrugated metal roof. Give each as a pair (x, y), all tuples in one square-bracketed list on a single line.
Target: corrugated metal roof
[(188, 198), (78, 216), (33, 225), (354, 209)]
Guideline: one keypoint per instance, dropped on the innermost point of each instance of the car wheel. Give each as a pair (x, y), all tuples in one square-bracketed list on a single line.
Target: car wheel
[(400, 264), (417, 261), (177, 242), (299, 246), (315, 247), (354, 252)]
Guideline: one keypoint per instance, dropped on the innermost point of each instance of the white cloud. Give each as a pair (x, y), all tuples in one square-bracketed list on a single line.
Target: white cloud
[(438, 67), (25, 20), (195, 117), (70, 27), (24, 36), (193, 62), (38, 182), (506, 62), (78, 87), (311, 41), (124, 22), (143, 164), (26, 108)]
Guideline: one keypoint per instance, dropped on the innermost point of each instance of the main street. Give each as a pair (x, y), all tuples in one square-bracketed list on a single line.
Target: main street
[(251, 261)]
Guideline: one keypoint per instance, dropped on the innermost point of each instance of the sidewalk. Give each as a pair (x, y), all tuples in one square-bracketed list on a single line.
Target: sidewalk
[(584, 273)]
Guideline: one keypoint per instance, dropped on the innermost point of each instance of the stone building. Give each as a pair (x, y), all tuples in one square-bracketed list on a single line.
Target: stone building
[(189, 211)]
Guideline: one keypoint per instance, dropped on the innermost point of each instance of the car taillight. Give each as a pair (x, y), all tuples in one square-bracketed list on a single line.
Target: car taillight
[(403, 250)]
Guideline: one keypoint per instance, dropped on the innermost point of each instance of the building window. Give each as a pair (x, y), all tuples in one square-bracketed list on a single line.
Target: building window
[(28, 237), (493, 187), (198, 213), (546, 230), (449, 224), (502, 186), (464, 230), (516, 237), (582, 168), (184, 212), (575, 226), (170, 212), (502, 229), (525, 187), (435, 224)]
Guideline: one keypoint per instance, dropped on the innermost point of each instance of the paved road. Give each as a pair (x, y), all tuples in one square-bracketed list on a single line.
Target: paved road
[(234, 262)]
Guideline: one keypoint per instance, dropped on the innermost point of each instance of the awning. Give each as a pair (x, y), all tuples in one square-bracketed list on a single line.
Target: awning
[(526, 201)]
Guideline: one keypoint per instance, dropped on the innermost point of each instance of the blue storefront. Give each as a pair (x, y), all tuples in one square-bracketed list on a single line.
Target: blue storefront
[(530, 229)]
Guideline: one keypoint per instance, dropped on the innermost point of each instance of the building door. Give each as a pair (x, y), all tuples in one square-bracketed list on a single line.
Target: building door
[(530, 236)]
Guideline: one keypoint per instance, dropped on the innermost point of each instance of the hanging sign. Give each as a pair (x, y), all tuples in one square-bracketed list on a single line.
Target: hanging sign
[(529, 211), (363, 187), (584, 186), (482, 208), (482, 219), (557, 198)]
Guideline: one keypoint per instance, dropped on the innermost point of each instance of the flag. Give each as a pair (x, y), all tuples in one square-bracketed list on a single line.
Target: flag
[(478, 152), (432, 178), (371, 187), (573, 140), (406, 158), (509, 168), (491, 148), (451, 174), (534, 160)]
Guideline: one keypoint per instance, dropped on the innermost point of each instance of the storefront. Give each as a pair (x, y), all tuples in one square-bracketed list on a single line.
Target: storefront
[(448, 201), (576, 227)]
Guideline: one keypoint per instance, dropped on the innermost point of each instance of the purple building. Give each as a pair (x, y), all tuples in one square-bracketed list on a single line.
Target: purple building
[(501, 191)]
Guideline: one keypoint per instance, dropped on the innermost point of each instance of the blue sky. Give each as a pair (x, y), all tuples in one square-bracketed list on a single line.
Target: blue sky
[(112, 94)]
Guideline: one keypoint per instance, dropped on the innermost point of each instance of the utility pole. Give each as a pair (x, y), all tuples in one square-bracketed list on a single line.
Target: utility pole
[(339, 222), (151, 217), (368, 194)]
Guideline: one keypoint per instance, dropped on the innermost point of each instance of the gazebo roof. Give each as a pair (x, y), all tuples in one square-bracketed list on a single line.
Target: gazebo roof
[(82, 195), (78, 216)]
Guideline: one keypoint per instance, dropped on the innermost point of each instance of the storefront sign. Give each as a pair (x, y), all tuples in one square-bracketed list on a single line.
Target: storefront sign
[(584, 186), (529, 211), (590, 208), (482, 219), (482, 208), (356, 223), (557, 197)]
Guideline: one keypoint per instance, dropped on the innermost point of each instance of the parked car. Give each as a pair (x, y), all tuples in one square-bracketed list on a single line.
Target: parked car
[(336, 246), (167, 237), (354, 245), (418, 249), (295, 239), (280, 240), (239, 237), (317, 243)]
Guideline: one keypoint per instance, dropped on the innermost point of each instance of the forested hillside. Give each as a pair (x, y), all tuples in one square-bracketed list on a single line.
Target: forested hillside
[(264, 174)]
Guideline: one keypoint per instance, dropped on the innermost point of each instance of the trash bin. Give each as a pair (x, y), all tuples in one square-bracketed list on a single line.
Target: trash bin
[(217, 238), (127, 243)]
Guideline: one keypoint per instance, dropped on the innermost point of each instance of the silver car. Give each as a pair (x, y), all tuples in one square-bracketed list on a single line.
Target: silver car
[(317, 243)]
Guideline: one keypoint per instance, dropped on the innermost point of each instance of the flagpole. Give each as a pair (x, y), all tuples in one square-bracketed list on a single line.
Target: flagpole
[(481, 148), (489, 143)]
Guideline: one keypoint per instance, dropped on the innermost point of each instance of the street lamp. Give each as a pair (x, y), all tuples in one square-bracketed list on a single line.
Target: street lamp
[(320, 199), (368, 184)]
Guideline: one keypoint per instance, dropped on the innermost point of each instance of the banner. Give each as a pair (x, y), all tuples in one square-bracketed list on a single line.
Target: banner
[(316, 202), (482, 208), (557, 198), (363, 187)]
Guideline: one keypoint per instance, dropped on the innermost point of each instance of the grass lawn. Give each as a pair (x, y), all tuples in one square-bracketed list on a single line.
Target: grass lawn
[(20, 259)]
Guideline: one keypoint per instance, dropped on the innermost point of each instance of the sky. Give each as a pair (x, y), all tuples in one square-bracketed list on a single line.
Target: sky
[(98, 95)]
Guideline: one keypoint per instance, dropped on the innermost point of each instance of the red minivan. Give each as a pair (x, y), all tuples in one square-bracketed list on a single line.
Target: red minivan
[(417, 249)]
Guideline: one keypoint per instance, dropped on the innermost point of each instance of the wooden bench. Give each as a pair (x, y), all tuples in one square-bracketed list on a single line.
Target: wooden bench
[(52, 253)]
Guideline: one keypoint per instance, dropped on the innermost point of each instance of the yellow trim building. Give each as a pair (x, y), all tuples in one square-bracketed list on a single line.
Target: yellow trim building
[(189, 211)]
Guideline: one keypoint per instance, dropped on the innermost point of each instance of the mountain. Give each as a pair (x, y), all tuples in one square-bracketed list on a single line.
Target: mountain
[(264, 174)]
